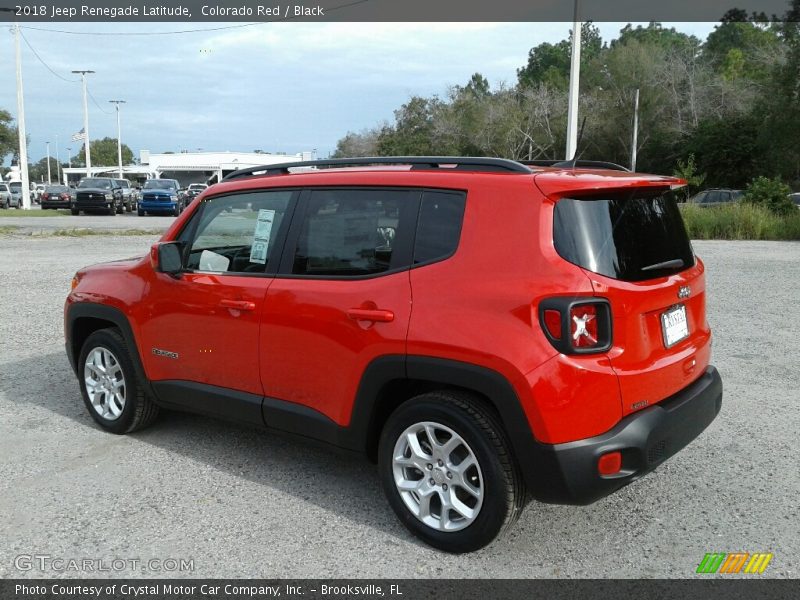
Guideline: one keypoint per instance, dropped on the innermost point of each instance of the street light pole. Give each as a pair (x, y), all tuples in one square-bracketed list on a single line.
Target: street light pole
[(635, 140), (69, 158), (119, 135), (87, 152), (23, 141), (574, 87), (48, 163), (58, 163)]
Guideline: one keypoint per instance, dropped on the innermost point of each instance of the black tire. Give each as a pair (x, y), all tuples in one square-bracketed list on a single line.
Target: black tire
[(139, 410), (140, 212), (176, 211), (75, 212), (120, 209), (504, 489)]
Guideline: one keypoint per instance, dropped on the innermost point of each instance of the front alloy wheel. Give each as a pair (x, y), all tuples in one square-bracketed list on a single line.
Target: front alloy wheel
[(116, 397), (105, 383)]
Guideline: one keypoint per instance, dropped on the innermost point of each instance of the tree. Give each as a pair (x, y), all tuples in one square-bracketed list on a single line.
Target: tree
[(354, 144), (104, 154), (688, 170), (38, 172), (8, 135), (549, 63), (412, 133), (770, 193)]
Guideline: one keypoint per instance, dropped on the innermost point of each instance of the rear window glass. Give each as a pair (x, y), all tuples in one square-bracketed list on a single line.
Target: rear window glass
[(632, 236)]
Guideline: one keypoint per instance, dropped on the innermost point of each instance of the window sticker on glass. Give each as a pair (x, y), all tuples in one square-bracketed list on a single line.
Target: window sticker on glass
[(266, 218), (258, 253)]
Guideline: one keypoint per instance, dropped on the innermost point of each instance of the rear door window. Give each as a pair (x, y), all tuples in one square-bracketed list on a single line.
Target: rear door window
[(631, 236), (355, 232)]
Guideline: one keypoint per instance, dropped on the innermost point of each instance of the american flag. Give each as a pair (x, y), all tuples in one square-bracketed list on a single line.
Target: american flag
[(79, 136)]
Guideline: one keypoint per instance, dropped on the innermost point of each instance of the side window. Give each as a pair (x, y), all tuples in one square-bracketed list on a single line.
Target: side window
[(354, 232), (714, 197), (237, 233), (439, 225)]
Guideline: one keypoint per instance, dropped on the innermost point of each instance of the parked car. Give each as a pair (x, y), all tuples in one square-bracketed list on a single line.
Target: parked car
[(5, 195), (36, 194), (98, 194), (795, 198), (16, 194), (56, 196), (128, 195), (160, 196), (716, 197), (558, 346), (194, 190)]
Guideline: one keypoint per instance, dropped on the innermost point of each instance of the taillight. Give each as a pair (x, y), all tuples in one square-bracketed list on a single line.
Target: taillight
[(45, 196), (583, 326), (552, 321), (577, 325)]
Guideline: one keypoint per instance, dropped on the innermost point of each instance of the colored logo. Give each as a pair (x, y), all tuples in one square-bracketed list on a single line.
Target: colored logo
[(735, 562)]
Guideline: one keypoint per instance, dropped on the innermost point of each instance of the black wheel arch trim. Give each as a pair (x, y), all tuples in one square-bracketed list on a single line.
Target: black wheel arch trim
[(103, 312)]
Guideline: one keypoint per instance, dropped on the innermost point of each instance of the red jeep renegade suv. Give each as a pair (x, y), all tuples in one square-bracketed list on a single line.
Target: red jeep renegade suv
[(487, 331)]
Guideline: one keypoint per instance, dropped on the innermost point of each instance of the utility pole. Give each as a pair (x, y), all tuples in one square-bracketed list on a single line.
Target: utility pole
[(83, 75), (58, 162), (574, 87), (48, 163), (635, 140), (119, 135), (23, 142)]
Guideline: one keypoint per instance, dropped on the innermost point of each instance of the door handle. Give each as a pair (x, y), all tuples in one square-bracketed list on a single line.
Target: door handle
[(238, 304), (376, 315)]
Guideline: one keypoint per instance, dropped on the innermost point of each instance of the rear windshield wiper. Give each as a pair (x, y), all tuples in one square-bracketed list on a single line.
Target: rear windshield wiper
[(667, 264)]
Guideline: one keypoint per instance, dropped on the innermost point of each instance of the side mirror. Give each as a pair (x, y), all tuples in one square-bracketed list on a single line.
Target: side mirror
[(166, 258)]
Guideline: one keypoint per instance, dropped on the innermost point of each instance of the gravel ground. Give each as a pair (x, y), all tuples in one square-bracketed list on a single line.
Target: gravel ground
[(92, 221), (245, 503)]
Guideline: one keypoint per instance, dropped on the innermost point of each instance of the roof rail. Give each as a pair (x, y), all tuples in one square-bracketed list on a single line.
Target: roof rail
[(586, 164), (460, 163)]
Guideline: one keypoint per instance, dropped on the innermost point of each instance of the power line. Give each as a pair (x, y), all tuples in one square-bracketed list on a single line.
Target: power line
[(182, 31), (41, 60), (96, 103)]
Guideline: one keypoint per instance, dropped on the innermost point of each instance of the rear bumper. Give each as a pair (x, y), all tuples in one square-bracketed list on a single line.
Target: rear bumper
[(567, 473), (56, 203)]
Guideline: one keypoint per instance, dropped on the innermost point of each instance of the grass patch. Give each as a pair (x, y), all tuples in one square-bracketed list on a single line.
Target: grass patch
[(16, 212), (5, 229), (116, 232), (739, 221)]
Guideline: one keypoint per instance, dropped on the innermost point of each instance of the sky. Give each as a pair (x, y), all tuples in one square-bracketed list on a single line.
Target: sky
[(276, 87)]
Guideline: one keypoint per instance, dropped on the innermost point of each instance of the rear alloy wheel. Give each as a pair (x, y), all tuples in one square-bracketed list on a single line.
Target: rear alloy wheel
[(448, 472), (114, 396)]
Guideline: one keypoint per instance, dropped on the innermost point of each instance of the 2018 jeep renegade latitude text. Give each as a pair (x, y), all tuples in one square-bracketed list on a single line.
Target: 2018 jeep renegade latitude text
[(486, 331)]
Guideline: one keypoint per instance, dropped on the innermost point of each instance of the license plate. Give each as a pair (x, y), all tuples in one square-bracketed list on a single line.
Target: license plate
[(674, 326)]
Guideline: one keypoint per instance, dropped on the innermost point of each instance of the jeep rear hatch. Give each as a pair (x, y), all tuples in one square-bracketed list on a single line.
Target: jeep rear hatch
[(633, 246)]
